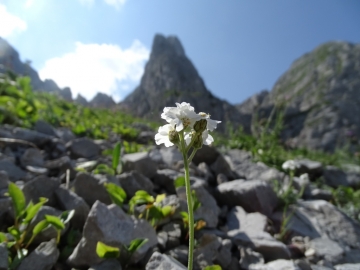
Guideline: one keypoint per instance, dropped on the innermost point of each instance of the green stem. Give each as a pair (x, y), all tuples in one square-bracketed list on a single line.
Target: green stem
[(192, 155), (189, 201)]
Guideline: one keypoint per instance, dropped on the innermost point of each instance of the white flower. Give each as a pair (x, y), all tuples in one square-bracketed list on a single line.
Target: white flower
[(181, 116), (290, 165), (163, 135), (211, 124), (207, 138)]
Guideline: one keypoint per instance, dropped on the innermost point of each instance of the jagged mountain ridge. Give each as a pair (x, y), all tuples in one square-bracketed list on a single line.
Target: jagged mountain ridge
[(321, 96), (171, 77)]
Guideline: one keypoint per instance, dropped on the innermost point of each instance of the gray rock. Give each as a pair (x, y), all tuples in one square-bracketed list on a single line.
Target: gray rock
[(4, 260), (238, 219), (319, 194), (65, 134), (352, 256), (111, 225), (45, 128), (206, 154), (206, 173), (223, 256), (68, 200), (108, 264), (322, 219), (170, 155), (335, 177), (32, 157), (4, 178), (91, 188), (139, 162), (165, 178), (249, 258), (14, 172), (83, 148), (134, 181), (60, 166), (160, 261), (253, 196), (327, 249), (311, 167), (5, 207), (221, 166), (173, 232), (41, 186), (43, 257), (281, 265), (31, 136), (221, 178), (179, 253), (206, 251), (261, 242), (348, 266)]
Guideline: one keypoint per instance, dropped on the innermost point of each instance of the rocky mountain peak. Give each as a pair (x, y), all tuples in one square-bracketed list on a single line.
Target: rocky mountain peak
[(170, 45), (102, 100), (171, 77)]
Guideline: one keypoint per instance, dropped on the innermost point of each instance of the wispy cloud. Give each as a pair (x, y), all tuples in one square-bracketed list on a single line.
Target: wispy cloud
[(93, 68), (9, 23), (115, 3)]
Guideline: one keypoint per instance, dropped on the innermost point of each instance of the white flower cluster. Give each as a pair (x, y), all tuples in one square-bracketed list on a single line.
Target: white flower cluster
[(183, 118)]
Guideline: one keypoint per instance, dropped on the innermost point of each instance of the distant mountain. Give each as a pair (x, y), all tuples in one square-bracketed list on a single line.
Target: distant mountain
[(10, 60), (321, 96), (171, 77), (102, 100)]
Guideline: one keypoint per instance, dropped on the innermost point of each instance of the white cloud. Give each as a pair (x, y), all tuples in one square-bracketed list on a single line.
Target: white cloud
[(115, 3), (93, 68), (29, 3), (9, 23)]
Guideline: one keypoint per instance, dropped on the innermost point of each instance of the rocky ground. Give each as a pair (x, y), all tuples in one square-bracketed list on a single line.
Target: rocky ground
[(242, 212)]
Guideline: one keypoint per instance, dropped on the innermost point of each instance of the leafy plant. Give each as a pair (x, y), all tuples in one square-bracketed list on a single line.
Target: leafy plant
[(109, 252), (116, 193), (20, 237), (116, 166), (348, 200), (153, 212)]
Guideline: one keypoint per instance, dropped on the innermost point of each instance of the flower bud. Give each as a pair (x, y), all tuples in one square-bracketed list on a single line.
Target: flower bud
[(200, 125), (174, 137), (198, 142)]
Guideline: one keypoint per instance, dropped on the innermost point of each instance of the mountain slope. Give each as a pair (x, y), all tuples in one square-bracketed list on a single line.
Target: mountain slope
[(321, 95)]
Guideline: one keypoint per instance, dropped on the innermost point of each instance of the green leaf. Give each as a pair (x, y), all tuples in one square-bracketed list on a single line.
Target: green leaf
[(160, 197), (196, 203), (14, 232), (42, 225), (103, 168), (213, 267), (18, 199), (55, 221), (167, 210), (3, 237), (116, 156), (179, 182), (107, 252), (32, 210), (155, 212), (66, 216), (136, 244), (116, 193)]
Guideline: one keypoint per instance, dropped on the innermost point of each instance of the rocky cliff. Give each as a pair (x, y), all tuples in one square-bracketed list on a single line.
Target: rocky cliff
[(171, 77), (321, 96)]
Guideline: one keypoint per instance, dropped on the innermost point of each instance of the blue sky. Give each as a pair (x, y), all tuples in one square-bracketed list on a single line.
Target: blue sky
[(239, 47)]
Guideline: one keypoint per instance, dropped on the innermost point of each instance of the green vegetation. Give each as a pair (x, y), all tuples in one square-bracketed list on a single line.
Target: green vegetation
[(20, 237), (20, 106)]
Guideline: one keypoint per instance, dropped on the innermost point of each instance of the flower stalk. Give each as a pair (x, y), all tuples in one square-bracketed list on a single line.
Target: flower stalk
[(187, 130)]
